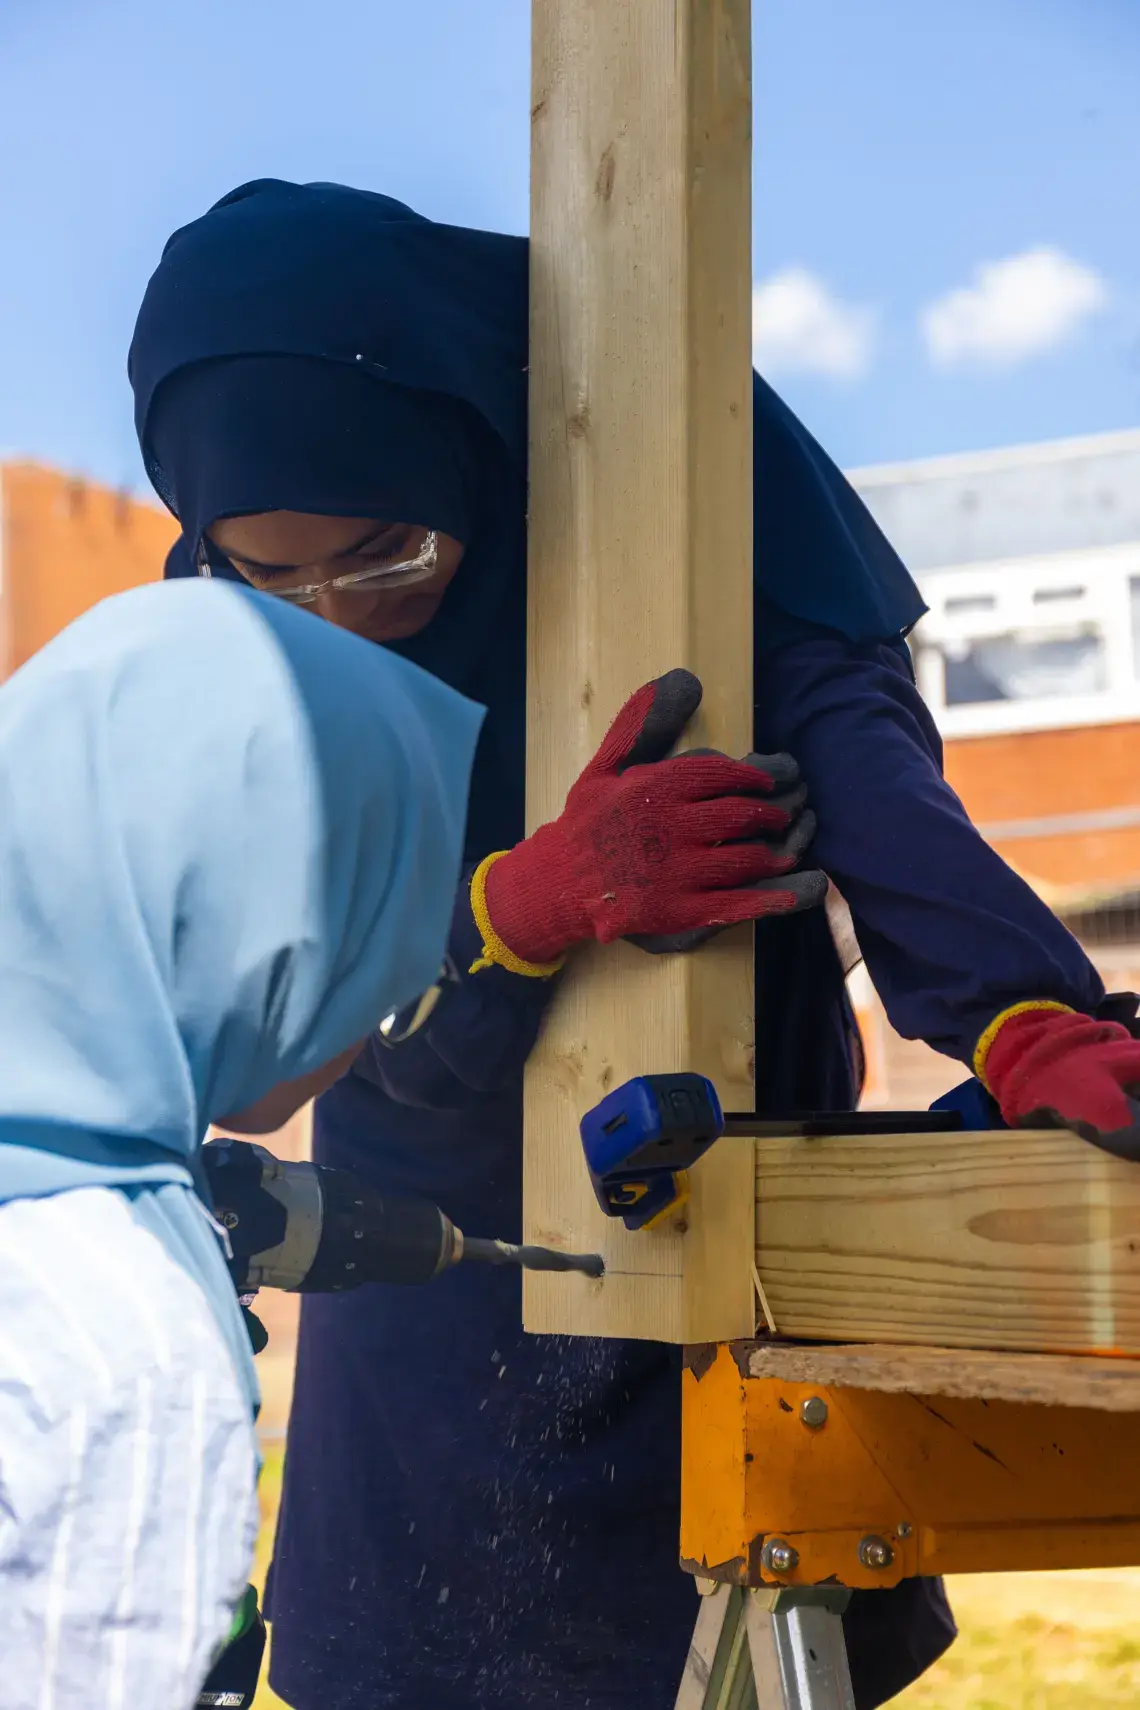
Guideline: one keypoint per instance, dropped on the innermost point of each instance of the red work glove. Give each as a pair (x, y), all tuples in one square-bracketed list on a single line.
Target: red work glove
[(653, 846), (1048, 1066)]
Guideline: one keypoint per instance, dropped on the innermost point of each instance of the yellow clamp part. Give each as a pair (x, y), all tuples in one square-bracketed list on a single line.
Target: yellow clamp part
[(985, 1043), (681, 1183), (496, 954)]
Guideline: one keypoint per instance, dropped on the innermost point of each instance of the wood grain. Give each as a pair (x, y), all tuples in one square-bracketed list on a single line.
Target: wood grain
[(1009, 1240), (640, 560), (1057, 1380)]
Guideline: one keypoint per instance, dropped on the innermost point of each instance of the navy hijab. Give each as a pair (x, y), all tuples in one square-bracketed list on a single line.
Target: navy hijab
[(316, 348)]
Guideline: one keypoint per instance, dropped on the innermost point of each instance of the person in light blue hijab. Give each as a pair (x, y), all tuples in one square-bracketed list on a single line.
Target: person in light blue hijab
[(230, 836)]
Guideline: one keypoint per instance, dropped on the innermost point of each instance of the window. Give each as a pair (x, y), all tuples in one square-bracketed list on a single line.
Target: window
[(1024, 666), (1114, 921), (959, 604), (1045, 596), (1036, 644)]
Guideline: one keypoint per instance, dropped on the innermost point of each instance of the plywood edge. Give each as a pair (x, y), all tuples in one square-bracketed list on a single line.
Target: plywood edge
[(1059, 1380)]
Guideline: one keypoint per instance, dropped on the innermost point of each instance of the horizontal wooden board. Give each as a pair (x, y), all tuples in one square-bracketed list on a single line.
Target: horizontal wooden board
[(1010, 1240), (967, 1374)]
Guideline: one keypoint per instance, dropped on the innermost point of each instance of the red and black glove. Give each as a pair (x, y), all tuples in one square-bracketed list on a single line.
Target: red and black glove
[(650, 847), (1050, 1067)]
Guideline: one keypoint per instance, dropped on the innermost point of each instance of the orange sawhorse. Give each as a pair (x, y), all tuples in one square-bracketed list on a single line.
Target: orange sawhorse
[(810, 1470)]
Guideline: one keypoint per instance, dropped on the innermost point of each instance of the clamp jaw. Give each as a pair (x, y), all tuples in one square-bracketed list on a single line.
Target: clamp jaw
[(641, 1141)]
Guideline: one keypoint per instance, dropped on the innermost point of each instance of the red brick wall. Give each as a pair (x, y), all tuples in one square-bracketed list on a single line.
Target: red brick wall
[(1041, 773), (67, 544), (1032, 775)]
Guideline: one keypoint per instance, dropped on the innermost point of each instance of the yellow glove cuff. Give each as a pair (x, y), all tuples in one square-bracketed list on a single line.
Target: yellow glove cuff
[(496, 954), (985, 1043)]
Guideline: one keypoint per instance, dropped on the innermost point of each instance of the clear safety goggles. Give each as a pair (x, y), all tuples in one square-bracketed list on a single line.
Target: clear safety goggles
[(390, 575)]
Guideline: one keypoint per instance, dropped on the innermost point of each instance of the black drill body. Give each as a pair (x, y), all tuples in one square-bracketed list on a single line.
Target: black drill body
[(315, 1230)]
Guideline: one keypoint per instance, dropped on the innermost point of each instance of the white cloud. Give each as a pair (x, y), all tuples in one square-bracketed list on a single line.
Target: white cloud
[(1014, 309), (798, 325)]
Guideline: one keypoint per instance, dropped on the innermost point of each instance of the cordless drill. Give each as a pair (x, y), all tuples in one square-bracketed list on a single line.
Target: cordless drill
[(315, 1230)]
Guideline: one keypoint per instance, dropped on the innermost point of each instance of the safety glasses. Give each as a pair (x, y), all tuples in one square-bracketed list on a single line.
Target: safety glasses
[(389, 575)]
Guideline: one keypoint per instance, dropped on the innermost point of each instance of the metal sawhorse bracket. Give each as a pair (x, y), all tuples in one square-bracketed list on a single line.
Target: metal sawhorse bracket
[(775, 1648)]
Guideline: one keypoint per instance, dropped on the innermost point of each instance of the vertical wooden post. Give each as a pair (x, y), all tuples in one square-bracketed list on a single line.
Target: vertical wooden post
[(640, 560)]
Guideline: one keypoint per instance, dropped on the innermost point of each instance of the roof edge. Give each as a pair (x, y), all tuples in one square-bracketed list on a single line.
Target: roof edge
[(1001, 457)]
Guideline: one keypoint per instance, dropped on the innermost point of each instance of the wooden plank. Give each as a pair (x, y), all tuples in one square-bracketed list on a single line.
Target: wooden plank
[(1052, 1380), (1022, 1240), (640, 560)]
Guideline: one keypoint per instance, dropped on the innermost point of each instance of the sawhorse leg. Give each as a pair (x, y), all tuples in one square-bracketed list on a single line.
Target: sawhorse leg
[(778, 1648)]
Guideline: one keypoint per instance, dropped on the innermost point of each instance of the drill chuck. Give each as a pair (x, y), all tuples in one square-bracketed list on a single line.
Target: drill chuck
[(371, 1236)]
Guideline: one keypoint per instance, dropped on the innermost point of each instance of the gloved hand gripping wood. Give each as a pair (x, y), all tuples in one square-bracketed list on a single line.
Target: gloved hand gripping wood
[(1050, 1067), (664, 849)]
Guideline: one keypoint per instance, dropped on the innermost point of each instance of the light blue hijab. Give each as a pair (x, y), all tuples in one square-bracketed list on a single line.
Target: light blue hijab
[(230, 839)]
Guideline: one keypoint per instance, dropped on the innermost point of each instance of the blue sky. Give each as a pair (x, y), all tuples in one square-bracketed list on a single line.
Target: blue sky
[(947, 248)]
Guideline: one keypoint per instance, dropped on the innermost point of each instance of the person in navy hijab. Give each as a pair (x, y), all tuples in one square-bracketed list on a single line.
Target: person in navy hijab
[(331, 398)]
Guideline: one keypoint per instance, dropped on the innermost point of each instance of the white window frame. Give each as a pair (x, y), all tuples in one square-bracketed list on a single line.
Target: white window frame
[(1103, 574)]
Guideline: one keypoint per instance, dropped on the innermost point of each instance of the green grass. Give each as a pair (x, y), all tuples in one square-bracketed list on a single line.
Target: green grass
[(269, 1491), (1041, 1641), (1033, 1664)]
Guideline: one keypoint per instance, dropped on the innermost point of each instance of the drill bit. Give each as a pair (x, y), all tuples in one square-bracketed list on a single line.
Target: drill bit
[(530, 1258)]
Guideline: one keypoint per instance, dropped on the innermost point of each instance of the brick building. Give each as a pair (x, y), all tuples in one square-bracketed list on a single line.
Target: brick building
[(1029, 560), (64, 544)]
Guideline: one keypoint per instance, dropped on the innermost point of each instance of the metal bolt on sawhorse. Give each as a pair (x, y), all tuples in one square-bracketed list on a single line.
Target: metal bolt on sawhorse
[(769, 1648)]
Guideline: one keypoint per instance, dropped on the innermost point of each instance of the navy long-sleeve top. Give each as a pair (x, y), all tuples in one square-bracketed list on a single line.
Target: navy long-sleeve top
[(547, 1573), (950, 934)]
